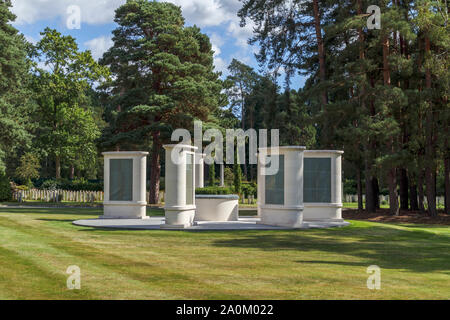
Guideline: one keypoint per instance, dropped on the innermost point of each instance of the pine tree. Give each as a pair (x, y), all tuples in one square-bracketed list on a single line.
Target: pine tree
[(15, 103), (67, 130), (237, 173), (163, 79)]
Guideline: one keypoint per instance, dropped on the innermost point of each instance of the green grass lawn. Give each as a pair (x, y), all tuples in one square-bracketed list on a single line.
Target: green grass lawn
[(37, 246)]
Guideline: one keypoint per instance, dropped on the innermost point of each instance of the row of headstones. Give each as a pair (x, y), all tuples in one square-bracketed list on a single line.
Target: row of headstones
[(57, 195), (354, 198)]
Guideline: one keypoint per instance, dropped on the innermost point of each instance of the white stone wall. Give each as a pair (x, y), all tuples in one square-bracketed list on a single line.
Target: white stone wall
[(137, 208), (327, 211), (178, 214), (291, 213)]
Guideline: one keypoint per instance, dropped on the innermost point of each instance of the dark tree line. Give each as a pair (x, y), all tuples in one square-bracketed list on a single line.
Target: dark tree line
[(381, 95)]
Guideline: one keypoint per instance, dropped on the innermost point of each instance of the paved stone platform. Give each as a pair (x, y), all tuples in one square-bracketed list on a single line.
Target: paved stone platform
[(154, 223)]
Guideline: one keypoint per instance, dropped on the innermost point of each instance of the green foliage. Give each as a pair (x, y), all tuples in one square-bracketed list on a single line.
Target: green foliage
[(381, 95), (249, 189), (229, 176), (237, 172), (15, 98), (23, 188), (74, 185), (164, 78), (350, 187), (5, 188), (67, 129), (239, 85), (28, 168), (215, 190), (212, 175)]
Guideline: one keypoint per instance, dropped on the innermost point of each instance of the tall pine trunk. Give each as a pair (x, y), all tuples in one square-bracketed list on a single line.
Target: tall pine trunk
[(413, 196), (447, 183), (155, 169), (376, 192), (359, 190), (72, 172), (393, 196), (420, 183), (370, 199), (320, 49), (404, 186), (447, 172), (430, 152), (392, 172), (58, 167)]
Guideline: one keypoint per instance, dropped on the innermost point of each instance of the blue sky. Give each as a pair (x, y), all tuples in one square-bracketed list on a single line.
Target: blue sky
[(217, 18)]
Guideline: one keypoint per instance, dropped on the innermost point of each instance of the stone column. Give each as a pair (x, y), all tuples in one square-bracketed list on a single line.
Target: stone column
[(222, 175), (199, 170), (179, 213)]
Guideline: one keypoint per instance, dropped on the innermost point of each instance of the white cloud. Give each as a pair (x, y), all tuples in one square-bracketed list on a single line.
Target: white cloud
[(99, 46), (203, 13), (216, 41), (221, 65), (241, 34), (30, 39), (92, 11)]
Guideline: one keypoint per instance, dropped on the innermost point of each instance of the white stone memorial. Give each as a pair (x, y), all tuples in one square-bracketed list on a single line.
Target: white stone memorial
[(322, 188), (280, 195), (218, 208), (180, 186), (125, 185), (200, 170)]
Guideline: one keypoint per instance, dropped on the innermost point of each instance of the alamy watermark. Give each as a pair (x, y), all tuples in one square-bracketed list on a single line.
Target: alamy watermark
[(73, 17), (214, 151), (374, 280), (374, 21), (74, 280)]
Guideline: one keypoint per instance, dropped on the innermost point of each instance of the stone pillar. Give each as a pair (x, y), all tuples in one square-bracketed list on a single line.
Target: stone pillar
[(179, 205), (286, 208), (125, 176), (199, 170), (222, 175)]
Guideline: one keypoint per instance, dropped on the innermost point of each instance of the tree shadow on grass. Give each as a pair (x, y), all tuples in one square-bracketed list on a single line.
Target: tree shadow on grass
[(390, 248)]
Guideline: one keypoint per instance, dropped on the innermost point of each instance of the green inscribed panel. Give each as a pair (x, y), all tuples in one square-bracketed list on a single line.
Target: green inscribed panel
[(317, 180), (189, 179), (121, 180), (275, 185)]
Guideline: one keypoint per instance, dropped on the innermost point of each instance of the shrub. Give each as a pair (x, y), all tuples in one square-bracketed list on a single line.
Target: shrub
[(51, 184), (212, 175), (28, 168), (5, 188), (237, 171), (229, 176), (214, 190), (75, 185), (249, 189), (350, 187)]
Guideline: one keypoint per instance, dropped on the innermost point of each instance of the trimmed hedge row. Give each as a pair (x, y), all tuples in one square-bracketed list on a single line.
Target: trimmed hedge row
[(214, 190), (71, 185), (5, 188)]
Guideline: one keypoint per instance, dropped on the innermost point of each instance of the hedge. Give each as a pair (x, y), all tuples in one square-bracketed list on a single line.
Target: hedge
[(5, 188), (214, 190)]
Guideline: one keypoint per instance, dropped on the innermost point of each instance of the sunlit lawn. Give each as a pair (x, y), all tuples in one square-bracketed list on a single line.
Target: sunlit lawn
[(37, 246)]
